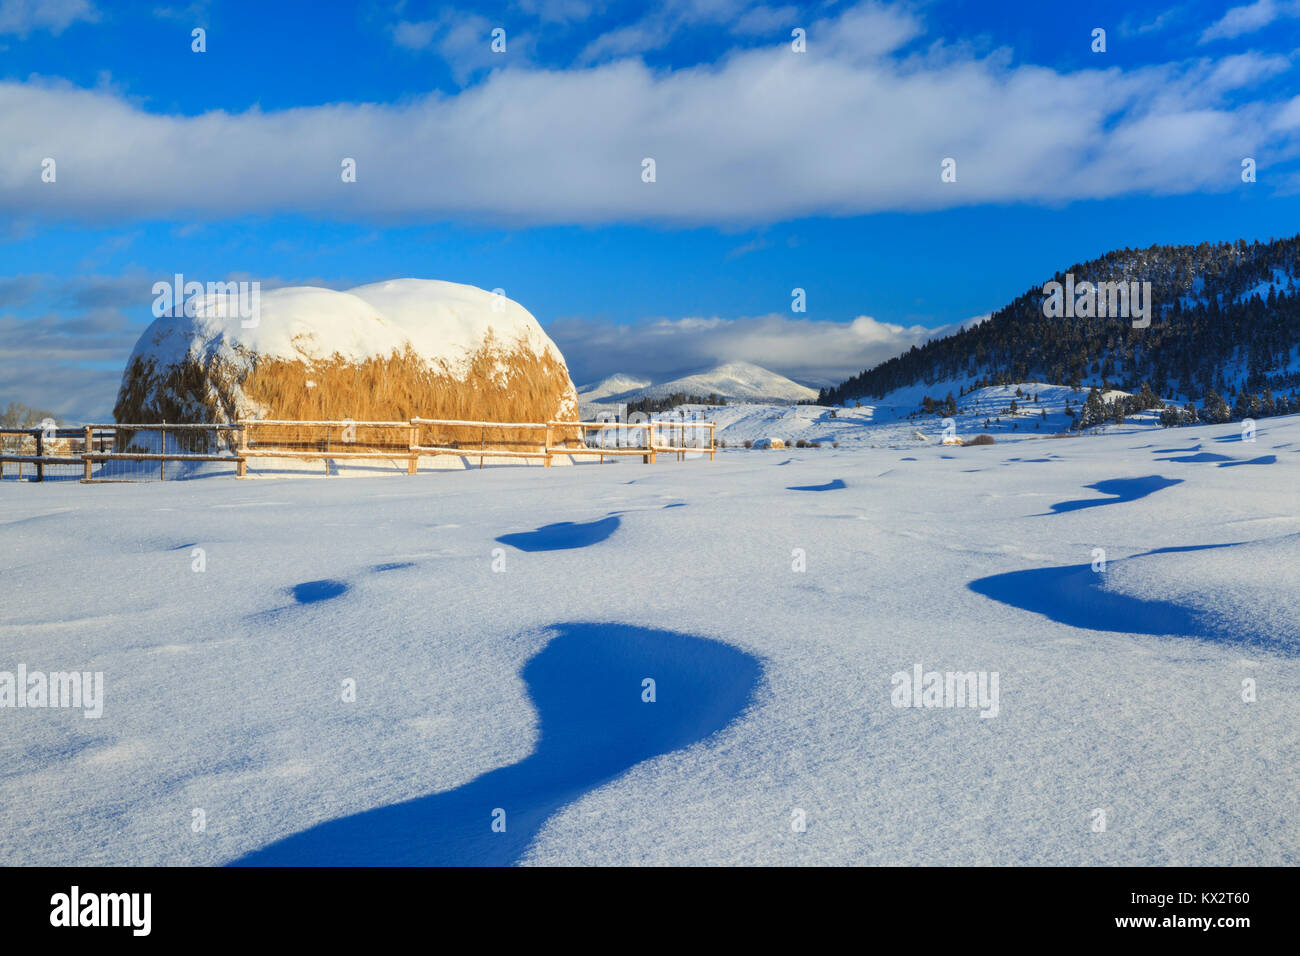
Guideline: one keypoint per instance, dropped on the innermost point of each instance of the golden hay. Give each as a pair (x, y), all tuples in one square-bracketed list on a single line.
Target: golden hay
[(498, 385)]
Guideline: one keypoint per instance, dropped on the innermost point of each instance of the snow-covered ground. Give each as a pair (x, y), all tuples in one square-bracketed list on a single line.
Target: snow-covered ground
[(886, 422), (499, 658)]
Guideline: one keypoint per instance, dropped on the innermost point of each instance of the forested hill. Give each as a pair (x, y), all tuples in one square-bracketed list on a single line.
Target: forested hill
[(1225, 316)]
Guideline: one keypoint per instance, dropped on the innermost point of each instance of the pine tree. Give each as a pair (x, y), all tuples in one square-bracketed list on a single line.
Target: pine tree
[(1094, 411), (1241, 407), (1214, 409), (1147, 399)]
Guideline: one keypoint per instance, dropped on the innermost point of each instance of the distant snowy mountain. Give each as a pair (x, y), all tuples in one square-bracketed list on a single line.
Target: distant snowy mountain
[(614, 385), (734, 381)]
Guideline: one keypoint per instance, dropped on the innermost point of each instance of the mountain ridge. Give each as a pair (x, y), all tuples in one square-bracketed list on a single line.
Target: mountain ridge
[(734, 381), (1225, 318)]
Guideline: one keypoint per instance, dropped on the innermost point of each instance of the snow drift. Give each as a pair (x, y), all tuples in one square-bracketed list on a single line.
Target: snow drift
[(381, 352)]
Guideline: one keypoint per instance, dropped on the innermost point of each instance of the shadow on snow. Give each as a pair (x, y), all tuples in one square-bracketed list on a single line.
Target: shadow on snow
[(833, 485), (586, 685), (1076, 595), (1120, 489), (562, 536), (309, 592)]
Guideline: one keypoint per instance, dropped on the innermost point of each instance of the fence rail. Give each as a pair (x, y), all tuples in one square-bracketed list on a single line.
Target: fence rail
[(46, 449), (116, 448), (652, 430)]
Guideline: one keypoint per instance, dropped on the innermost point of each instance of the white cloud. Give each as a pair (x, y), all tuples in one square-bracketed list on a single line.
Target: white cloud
[(1245, 69), (71, 366), (816, 352), (25, 16), (464, 41), (68, 356), (414, 35), (559, 11), (197, 12), (765, 19), (1249, 18), (69, 360), (638, 37), (764, 135), (1132, 27), (668, 18)]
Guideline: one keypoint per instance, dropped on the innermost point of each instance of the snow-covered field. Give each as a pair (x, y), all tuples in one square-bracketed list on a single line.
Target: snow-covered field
[(886, 422), (500, 667)]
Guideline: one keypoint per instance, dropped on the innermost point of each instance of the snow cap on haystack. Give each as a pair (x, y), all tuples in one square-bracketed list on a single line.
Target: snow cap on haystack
[(382, 352)]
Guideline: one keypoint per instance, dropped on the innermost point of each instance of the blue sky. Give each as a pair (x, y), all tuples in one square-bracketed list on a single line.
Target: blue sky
[(522, 170)]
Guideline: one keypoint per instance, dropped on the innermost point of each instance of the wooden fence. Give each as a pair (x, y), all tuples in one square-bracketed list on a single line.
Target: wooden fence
[(654, 438), (326, 441), (148, 443), (43, 448)]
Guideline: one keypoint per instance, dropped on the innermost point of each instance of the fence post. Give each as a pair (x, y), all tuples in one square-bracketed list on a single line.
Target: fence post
[(241, 466), (412, 441), (40, 455), (86, 453), (713, 445), (546, 445), (162, 461)]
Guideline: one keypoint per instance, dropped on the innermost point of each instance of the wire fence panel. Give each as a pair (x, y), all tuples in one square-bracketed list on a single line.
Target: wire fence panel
[(44, 454), (172, 452), (163, 453)]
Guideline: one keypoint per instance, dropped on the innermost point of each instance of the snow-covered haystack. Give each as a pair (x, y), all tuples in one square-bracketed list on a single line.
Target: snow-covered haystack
[(382, 352), (769, 443)]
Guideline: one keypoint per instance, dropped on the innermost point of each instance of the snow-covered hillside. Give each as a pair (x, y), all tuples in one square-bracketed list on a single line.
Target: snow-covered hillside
[(612, 386), (734, 381), (284, 656), (1222, 317), (891, 421)]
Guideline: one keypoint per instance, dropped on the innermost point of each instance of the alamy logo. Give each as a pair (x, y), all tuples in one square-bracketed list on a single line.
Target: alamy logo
[(1103, 300), (680, 430), (103, 909), (25, 688), (922, 688), (222, 300)]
